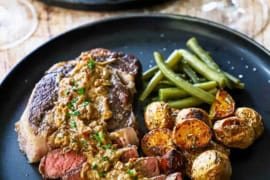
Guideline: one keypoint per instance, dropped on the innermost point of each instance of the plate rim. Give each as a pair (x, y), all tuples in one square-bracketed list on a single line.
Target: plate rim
[(177, 17), (105, 6)]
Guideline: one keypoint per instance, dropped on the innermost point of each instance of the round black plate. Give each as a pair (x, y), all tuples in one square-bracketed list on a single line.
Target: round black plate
[(102, 4), (141, 35)]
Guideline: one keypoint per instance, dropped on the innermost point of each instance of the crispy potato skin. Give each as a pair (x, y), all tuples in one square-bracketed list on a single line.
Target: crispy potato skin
[(197, 113), (253, 118), (158, 115), (157, 142), (211, 165), (172, 161), (223, 106), (191, 134), (234, 133), (190, 156)]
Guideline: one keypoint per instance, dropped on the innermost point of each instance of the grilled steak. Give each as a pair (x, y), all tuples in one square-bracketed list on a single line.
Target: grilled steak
[(36, 124), (57, 163)]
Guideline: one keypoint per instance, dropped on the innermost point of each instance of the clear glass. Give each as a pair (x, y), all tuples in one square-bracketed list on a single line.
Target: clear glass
[(18, 21), (238, 14), (247, 16)]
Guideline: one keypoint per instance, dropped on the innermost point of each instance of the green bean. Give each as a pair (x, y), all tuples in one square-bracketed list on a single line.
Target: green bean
[(202, 68), (174, 93), (149, 73), (194, 45), (189, 101), (181, 83), (172, 61), (166, 82), (191, 73)]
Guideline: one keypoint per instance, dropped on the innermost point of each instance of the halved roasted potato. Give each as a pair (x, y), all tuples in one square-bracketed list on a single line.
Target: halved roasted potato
[(198, 113), (158, 115), (190, 156), (191, 134), (210, 165), (223, 106), (157, 142), (234, 133), (172, 161), (253, 118)]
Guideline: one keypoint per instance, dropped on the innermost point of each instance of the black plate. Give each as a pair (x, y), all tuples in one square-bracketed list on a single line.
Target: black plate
[(102, 4), (141, 35)]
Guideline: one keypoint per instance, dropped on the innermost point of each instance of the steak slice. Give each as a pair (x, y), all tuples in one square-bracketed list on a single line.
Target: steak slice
[(147, 166), (58, 163), (34, 125), (125, 136)]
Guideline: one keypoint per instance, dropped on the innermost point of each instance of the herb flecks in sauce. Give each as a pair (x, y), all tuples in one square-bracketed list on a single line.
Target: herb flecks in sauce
[(80, 115)]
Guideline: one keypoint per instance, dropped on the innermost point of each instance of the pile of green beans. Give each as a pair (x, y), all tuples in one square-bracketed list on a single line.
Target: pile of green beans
[(186, 79)]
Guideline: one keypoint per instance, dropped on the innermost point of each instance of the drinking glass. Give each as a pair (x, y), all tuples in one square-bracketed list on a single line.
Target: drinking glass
[(18, 21)]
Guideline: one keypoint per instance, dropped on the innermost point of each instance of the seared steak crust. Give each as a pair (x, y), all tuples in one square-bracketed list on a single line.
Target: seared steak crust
[(45, 94)]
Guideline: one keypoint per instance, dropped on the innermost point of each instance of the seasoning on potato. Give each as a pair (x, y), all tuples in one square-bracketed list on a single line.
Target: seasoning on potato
[(193, 112), (234, 133), (158, 115), (191, 134), (223, 106), (253, 118), (210, 165), (157, 142)]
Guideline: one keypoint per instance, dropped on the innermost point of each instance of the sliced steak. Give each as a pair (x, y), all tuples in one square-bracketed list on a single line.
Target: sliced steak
[(58, 163), (160, 177), (125, 136), (147, 166), (73, 175), (130, 153), (174, 176)]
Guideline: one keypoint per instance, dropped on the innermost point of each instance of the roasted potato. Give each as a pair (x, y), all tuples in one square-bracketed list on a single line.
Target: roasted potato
[(190, 156), (158, 115), (223, 106), (157, 142), (253, 118), (188, 113), (191, 134), (234, 133), (172, 161), (211, 165)]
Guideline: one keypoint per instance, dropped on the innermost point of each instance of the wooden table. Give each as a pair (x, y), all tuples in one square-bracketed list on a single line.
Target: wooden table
[(55, 20)]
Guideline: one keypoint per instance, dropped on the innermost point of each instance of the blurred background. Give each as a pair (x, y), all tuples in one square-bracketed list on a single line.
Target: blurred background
[(26, 24)]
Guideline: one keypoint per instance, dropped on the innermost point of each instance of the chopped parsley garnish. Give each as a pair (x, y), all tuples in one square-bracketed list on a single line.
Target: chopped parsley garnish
[(66, 92), (99, 137), (74, 100), (107, 146), (70, 106), (85, 144), (106, 158), (74, 113), (130, 172), (73, 124), (101, 174), (91, 64), (73, 140), (80, 91), (85, 103), (94, 166)]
